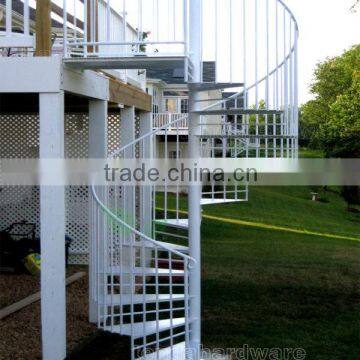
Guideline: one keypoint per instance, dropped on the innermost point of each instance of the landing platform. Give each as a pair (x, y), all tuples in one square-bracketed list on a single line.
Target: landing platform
[(129, 62)]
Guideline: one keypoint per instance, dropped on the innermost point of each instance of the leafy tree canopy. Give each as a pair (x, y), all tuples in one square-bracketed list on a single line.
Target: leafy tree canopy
[(332, 121)]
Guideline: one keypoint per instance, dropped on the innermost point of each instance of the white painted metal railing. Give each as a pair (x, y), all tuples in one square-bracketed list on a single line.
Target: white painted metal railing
[(16, 35), (131, 27), (140, 285), (163, 119)]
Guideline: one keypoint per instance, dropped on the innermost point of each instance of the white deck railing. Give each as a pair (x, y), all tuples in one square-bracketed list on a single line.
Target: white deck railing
[(164, 119), (16, 36)]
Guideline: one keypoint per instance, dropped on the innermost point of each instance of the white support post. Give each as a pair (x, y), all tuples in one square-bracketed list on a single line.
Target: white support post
[(52, 224), (195, 31), (127, 135), (98, 110), (146, 193)]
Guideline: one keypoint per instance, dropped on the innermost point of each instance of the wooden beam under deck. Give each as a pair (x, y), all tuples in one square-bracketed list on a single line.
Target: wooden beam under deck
[(120, 93)]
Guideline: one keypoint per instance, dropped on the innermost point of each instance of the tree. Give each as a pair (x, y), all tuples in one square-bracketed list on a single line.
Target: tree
[(332, 119)]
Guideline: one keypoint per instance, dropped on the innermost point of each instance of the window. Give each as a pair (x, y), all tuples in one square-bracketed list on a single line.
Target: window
[(174, 154), (184, 105), (171, 105), (176, 93)]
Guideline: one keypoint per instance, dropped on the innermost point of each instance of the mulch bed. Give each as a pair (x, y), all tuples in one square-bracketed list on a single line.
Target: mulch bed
[(21, 332)]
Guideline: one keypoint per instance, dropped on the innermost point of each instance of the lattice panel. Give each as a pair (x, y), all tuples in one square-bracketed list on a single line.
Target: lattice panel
[(77, 197), (76, 135), (77, 222), (19, 203), (113, 132), (19, 138)]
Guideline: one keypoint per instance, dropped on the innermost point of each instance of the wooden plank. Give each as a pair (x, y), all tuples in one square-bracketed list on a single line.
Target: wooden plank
[(120, 93), (34, 298), (43, 28)]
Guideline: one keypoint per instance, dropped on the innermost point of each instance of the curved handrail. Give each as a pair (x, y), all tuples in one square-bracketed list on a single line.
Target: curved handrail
[(122, 222), (136, 232), (153, 132), (278, 66)]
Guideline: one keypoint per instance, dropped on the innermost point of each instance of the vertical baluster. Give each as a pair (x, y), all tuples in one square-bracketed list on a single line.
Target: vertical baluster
[(244, 52), (85, 28), (144, 307), (177, 162), (267, 97), (157, 21), (124, 25), (75, 22), (8, 17), (285, 119), (140, 23), (65, 28), (231, 11), (216, 34), (257, 76), (174, 17), (186, 297), (291, 88), (108, 21), (185, 33), (296, 95), (277, 105), (98, 272), (171, 306), (26, 18), (157, 291), (166, 185)]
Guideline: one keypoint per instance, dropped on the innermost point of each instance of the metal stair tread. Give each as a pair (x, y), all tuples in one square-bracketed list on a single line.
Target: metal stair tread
[(147, 244), (235, 111), (177, 223), (206, 86), (126, 299), (140, 329), (116, 270), (205, 201)]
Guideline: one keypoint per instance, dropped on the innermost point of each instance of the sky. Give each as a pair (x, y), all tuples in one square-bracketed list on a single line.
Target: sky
[(327, 28)]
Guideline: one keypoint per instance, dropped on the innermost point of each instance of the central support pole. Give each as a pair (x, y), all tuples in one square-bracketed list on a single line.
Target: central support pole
[(195, 28)]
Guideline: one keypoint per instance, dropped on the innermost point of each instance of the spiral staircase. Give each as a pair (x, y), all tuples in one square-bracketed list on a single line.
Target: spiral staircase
[(145, 260)]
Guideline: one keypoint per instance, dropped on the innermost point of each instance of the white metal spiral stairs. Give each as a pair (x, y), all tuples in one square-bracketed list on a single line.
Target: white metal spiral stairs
[(140, 263), (141, 269)]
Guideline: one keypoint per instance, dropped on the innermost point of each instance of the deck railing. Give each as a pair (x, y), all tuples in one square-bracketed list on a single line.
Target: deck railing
[(15, 36), (161, 120)]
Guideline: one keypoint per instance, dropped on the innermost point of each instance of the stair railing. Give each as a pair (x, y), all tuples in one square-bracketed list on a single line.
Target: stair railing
[(129, 267)]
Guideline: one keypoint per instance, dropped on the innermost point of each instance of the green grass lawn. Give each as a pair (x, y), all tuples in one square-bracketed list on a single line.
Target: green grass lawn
[(278, 289)]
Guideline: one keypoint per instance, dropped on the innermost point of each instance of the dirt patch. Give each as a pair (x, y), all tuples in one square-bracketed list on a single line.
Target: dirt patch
[(21, 332)]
